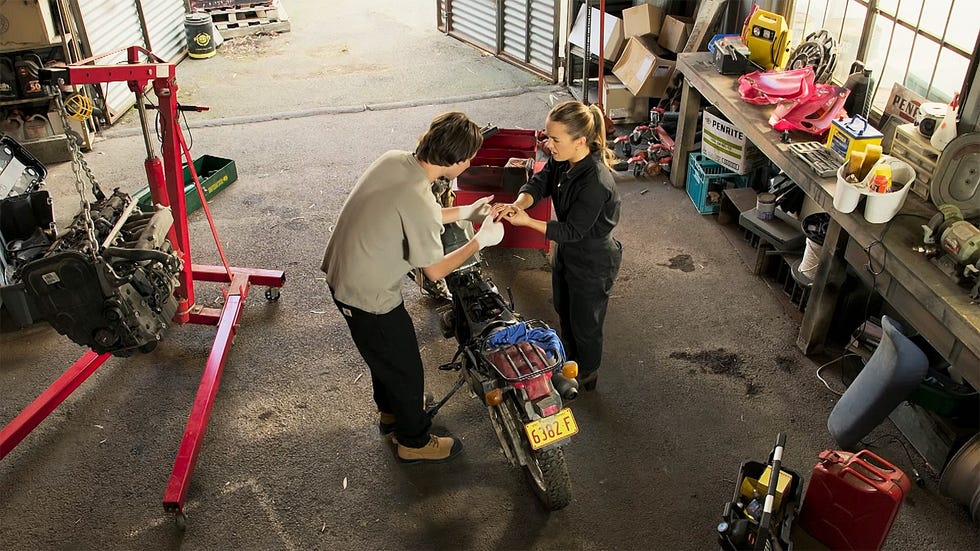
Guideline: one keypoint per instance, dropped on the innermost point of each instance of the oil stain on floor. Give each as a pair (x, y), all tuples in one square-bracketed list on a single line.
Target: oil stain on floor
[(682, 262)]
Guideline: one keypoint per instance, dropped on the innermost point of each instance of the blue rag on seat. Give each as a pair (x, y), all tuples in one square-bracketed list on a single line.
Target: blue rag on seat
[(545, 338)]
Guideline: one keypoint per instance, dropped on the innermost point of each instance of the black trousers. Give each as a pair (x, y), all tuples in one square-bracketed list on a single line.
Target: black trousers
[(581, 280), (388, 344)]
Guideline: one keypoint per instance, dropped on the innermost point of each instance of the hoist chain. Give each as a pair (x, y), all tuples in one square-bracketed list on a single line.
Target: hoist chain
[(79, 166)]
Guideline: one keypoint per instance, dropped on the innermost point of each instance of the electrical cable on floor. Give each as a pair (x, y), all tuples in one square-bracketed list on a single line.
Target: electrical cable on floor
[(869, 266), (831, 362)]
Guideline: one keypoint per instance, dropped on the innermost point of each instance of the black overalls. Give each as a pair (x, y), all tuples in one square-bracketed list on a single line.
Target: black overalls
[(587, 257)]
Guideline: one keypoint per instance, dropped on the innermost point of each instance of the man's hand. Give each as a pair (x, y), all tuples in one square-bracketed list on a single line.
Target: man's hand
[(490, 233), (476, 211)]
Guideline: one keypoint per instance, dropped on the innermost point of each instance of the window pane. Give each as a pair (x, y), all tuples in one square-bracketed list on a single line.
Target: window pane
[(814, 19), (934, 18), (888, 6), (949, 78), (834, 16), (847, 46), (924, 57), (909, 10), (799, 20), (878, 45), (895, 61), (963, 26)]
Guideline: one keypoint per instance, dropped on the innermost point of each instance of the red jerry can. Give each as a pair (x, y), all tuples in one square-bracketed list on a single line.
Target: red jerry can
[(852, 500)]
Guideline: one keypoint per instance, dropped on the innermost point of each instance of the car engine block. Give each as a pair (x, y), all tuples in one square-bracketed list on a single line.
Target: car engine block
[(108, 281)]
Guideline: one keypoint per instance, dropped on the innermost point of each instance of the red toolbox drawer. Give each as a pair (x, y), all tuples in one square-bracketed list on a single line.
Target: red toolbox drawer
[(514, 237), (513, 138), (488, 171)]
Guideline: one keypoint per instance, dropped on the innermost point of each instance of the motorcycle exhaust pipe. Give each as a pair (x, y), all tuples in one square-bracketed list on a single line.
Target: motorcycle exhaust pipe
[(567, 388)]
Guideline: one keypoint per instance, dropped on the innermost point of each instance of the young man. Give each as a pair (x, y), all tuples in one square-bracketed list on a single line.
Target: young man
[(389, 225)]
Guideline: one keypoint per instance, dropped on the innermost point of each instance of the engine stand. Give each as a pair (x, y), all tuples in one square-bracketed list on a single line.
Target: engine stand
[(166, 182)]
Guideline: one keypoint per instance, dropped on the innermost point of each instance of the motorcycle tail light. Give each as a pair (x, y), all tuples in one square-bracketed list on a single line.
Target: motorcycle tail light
[(494, 397), (570, 370)]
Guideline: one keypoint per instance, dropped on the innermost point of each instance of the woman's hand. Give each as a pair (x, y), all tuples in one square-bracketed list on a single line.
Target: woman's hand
[(500, 211), (517, 216)]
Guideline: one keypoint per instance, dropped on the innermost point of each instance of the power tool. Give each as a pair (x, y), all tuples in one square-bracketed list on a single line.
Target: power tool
[(954, 247)]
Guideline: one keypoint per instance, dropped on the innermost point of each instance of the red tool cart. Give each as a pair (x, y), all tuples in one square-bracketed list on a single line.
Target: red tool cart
[(498, 169)]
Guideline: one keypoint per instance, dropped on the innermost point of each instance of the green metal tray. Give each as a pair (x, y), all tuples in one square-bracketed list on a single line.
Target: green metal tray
[(215, 173)]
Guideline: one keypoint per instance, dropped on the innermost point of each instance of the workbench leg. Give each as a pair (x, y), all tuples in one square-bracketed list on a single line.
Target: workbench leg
[(826, 288), (687, 127)]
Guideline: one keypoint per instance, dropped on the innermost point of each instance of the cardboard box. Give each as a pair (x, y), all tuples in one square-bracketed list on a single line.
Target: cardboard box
[(613, 43), (642, 19), (674, 32), (726, 145), (621, 104), (25, 24), (644, 67)]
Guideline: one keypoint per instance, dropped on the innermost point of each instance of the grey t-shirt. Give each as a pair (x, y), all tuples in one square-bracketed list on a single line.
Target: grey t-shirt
[(389, 224)]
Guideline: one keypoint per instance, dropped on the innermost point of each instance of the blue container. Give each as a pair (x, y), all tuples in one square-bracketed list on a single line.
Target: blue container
[(707, 181)]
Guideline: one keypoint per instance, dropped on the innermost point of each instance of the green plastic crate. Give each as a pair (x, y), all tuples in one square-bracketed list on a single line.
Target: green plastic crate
[(215, 173)]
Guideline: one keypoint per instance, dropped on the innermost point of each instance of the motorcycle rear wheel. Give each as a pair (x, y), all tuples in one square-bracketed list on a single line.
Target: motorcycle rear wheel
[(544, 469)]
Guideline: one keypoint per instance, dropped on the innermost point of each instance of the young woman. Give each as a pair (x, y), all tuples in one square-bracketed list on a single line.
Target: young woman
[(578, 179)]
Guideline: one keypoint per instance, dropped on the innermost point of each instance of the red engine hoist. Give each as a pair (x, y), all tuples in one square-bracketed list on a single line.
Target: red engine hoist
[(166, 183)]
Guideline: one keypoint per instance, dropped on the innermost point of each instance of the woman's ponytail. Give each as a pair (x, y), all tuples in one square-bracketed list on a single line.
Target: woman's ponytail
[(598, 140)]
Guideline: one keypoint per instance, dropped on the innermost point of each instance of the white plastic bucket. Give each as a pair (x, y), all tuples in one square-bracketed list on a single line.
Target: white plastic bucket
[(882, 207), (846, 195)]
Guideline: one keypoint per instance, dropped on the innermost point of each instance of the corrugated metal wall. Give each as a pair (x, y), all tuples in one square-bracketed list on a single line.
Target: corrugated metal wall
[(164, 21), (476, 21), (530, 33), (109, 25), (523, 32)]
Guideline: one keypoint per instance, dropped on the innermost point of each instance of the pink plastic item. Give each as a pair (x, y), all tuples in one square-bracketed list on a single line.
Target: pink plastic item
[(771, 87), (812, 114)]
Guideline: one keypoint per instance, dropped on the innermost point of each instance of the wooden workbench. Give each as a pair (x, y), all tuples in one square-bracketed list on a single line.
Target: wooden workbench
[(928, 299)]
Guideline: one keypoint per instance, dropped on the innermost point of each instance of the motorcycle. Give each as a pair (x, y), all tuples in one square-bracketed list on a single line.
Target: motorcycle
[(516, 368)]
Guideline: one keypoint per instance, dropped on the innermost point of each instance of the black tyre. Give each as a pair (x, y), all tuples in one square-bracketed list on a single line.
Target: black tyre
[(545, 469), (548, 476)]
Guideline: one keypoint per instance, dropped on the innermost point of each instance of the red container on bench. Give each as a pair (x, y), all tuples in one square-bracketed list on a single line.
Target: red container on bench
[(488, 170), (852, 500)]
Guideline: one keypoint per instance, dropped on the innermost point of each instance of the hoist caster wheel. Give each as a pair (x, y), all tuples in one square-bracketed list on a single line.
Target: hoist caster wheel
[(272, 294), (180, 521)]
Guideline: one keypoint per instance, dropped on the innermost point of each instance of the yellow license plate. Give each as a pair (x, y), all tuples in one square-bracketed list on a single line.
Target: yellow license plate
[(549, 430)]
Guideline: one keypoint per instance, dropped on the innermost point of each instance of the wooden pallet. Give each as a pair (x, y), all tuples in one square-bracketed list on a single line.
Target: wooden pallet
[(243, 21)]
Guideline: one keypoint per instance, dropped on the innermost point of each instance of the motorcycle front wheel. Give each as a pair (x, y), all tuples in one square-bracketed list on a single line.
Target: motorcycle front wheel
[(545, 469)]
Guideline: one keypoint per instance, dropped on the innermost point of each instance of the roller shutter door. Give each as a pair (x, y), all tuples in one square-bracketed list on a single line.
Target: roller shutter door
[(522, 32)]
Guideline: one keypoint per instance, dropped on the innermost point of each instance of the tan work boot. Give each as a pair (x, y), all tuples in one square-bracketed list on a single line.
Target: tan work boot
[(439, 449)]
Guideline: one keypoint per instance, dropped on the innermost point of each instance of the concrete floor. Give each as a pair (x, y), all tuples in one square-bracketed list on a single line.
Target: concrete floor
[(700, 371)]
